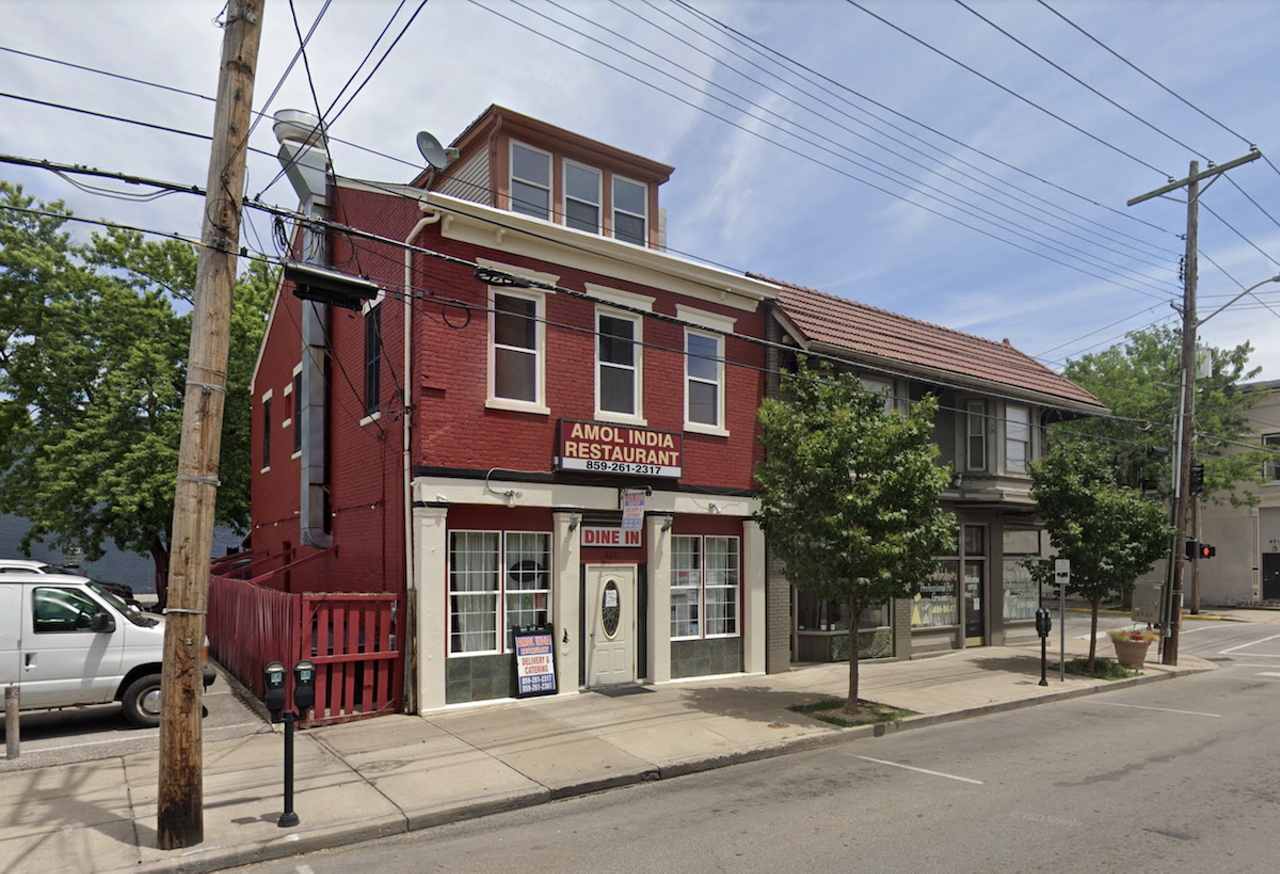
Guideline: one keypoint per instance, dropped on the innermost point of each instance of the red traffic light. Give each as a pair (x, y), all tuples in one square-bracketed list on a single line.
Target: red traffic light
[(1207, 551)]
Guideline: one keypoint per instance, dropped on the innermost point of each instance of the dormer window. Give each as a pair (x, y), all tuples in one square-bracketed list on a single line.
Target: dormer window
[(530, 181), (581, 197), (630, 211)]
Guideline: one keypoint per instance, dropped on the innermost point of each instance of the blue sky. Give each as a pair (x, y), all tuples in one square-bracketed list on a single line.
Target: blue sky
[(992, 216)]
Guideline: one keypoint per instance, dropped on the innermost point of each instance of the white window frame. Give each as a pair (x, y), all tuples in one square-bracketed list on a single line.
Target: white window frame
[(613, 191), (1011, 427), (975, 412), (701, 586), (500, 592), (295, 380), (266, 430), (599, 201), (538, 405), (1271, 469), (636, 417), (512, 179)]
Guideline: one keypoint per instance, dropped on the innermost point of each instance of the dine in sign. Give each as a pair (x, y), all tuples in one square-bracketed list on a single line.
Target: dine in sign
[(611, 537)]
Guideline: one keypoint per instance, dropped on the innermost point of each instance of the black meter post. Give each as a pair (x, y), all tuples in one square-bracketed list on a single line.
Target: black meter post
[(1044, 624), (274, 698)]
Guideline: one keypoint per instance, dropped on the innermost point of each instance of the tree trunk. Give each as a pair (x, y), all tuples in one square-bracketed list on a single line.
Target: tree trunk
[(851, 703), (160, 558), (1093, 635)]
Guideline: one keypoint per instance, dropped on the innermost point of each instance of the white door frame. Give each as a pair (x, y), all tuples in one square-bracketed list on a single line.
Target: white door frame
[(600, 673)]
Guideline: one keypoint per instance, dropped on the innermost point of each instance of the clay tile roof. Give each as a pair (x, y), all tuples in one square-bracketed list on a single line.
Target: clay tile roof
[(875, 334)]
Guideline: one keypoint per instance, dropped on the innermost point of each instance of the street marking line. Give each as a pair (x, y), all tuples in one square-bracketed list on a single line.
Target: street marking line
[(917, 770), (1253, 643), (1268, 674), (1161, 709)]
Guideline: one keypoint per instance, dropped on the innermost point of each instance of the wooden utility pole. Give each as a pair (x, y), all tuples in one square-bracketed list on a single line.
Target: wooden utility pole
[(1186, 430), (180, 802)]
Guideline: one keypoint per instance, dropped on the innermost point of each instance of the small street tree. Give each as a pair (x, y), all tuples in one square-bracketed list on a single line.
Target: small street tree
[(1109, 532), (849, 495), (93, 345)]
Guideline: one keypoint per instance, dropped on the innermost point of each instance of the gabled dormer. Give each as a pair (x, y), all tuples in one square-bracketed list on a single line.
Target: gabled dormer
[(511, 161)]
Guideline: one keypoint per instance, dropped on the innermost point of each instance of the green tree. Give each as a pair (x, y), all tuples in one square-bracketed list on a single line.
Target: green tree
[(849, 495), (1109, 532), (1140, 380), (93, 350)]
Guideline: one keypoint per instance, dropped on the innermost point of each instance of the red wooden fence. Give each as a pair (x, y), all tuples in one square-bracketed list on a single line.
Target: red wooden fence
[(352, 638)]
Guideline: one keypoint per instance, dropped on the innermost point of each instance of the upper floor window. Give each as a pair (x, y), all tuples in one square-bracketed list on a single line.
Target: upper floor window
[(630, 211), (976, 431), (882, 387), (1271, 470), (617, 364), (1017, 438), (516, 364), (266, 430), (530, 181), (372, 360), (704, 378), (581, 197), (297, 409)]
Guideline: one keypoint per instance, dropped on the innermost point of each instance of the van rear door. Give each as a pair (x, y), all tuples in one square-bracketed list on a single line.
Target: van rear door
[(64, 661), (10, 625)]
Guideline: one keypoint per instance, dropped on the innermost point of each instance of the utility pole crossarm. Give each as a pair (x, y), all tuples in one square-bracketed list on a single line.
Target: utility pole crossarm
[(1253, 155)]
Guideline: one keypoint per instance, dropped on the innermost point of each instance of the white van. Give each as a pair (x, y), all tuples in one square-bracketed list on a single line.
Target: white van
[(67, 641)]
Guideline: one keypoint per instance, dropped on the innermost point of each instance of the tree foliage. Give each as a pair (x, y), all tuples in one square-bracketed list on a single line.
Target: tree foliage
[(1109, 533), (93, 345), (850, 495), (1140, 379)]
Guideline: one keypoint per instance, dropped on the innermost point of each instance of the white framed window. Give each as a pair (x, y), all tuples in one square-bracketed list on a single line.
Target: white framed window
[(266, 430), (882, 387), (705, 578), (630, 211), (530, 181), (582, 197), (1017, 438), (372, 361), (1271, 469), (297, 410), (517, 340), (618, 364), (704, 379), (976, 435), (489, 570)]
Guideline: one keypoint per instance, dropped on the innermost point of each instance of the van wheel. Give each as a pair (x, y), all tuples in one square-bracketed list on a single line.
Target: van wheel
[(142, 701)]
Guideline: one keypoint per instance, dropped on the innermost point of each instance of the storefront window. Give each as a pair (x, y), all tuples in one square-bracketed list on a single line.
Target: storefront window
[(528, 581), (704, 571), (813, 614), (936, 603), (476, 588), (686, 586), (1021, 596)]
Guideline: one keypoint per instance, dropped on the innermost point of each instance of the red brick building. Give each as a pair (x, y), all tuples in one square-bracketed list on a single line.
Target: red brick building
[(470, 438)]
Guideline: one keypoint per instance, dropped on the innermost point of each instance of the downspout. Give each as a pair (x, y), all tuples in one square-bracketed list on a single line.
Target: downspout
[(410, 566)]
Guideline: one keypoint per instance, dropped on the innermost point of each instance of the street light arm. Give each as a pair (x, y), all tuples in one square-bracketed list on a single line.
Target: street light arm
[(1275, 278)]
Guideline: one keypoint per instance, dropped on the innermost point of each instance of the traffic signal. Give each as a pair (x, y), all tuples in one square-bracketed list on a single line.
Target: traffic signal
[(1196, 484), (1196, 549)]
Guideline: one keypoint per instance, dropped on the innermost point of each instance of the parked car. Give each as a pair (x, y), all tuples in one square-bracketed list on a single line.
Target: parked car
[(30, 566), (68, 641)]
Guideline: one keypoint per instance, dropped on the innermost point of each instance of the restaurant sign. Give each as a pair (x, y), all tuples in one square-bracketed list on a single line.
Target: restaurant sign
[(604, 448)]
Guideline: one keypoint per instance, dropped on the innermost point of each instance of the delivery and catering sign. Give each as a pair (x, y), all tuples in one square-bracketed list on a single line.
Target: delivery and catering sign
[(596, 447)]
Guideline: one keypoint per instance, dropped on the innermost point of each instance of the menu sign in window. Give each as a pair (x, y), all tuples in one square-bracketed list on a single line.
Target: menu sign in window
[(619, 449)]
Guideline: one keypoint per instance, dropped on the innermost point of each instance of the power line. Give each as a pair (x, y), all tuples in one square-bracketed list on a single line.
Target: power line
[(1008, 90)]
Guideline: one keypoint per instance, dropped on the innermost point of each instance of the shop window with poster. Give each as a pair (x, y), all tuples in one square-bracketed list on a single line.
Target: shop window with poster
[(1021, 595), (936, 603)]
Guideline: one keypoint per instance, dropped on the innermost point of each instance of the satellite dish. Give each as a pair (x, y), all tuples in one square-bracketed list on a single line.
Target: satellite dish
[(431, 149)]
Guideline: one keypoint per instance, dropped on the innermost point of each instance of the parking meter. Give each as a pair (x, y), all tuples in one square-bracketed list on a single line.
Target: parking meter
[(274, 697), (304, 686), (1044, 622)]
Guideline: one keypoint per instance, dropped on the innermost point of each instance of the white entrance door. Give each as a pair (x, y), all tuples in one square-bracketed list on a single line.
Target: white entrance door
[(611, 625)]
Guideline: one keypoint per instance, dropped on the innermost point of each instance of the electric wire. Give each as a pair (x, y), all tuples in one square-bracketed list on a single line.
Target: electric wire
[(1097, 139)]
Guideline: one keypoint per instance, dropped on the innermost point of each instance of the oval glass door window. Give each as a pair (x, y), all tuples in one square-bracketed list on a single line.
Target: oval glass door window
[(610, 609)]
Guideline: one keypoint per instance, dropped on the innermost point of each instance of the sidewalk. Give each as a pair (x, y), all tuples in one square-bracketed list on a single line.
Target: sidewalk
[(383, 776)]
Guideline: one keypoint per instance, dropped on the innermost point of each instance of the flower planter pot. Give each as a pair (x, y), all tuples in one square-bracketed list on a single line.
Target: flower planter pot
[(1131, 653)]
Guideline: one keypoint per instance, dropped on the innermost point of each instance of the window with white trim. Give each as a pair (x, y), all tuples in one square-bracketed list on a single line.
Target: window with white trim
[(630, 211), (266, 431), (1017, 438), (704, 378), (976, 434), (705, 578), (516, 333), (530, 181), (372, 360), (618, 354), (582, 197), (297, 410), (1271, 469), (493, 570)]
